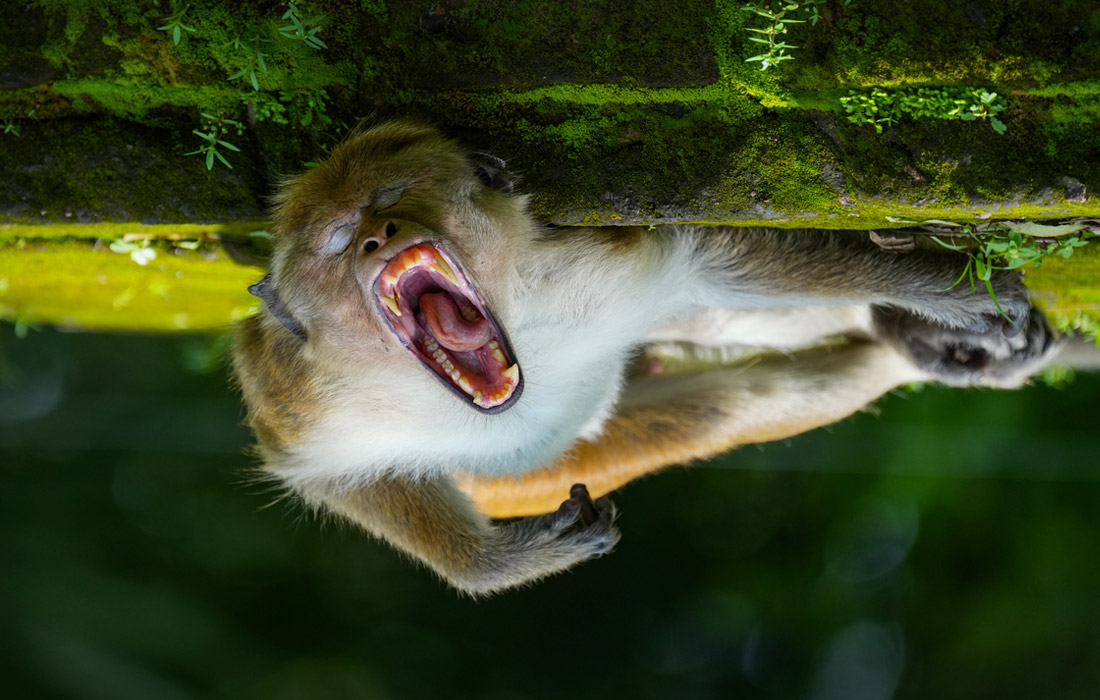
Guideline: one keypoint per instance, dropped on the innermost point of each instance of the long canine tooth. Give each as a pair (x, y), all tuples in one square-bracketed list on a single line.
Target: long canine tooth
[(464, 383), (444, 269), (391, 303), (499, 356), (511, 374)]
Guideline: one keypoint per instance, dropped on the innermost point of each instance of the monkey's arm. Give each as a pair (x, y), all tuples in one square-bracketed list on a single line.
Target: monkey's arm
[(768, 267), (675, 419), (432, 521)]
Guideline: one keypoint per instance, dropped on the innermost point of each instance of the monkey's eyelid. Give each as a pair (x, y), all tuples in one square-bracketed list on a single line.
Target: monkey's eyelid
[(339, 239), (339, 233), (265, 290), (386, 197)]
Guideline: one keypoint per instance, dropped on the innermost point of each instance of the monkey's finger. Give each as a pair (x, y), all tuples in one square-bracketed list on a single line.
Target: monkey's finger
[(607, 510), (566, 514), (589, 513)]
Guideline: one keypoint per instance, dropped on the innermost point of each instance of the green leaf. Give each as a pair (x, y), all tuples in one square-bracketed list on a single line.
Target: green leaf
[(121, 246), (210, 159), (1032, 228), (997, 125), (993, 297), (176, 35), (982, 269)]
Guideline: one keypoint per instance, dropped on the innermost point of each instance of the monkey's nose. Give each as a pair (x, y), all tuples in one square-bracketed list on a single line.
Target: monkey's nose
[(382, 232)]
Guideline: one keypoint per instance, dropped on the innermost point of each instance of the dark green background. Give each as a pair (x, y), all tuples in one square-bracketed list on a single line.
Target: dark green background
[(947, 548)]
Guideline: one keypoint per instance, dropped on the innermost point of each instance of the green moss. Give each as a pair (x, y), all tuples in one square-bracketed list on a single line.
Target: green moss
[(134, 103), (1068, 289), (78, 284), (12, 230)]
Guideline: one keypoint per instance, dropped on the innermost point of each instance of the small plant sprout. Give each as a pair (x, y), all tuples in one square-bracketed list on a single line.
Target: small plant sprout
[(304, 30), (9, 127), (1010, 246), (777, 22), (987, 106), (881, 108), (215, 129), (174, 25), (254, 61)]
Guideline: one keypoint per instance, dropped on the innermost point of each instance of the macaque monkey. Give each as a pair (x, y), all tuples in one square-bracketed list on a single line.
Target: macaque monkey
[(437, 367)]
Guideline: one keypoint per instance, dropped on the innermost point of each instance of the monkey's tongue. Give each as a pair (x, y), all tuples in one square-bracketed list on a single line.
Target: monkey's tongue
[(449, 328)]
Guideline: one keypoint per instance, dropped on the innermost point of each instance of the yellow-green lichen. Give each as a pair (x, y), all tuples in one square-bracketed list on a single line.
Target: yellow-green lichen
[(82, 284)]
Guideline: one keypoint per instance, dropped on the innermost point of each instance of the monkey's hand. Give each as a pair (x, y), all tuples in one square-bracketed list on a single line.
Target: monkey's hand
[(579, 529), (434, 522), (993, 351)]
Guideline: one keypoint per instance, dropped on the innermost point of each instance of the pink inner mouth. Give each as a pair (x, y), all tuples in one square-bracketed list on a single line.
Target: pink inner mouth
[(451, 329), (440, 317)]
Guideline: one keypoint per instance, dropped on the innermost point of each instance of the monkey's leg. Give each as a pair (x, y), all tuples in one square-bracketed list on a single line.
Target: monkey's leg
[(668, 420), (432, 521)]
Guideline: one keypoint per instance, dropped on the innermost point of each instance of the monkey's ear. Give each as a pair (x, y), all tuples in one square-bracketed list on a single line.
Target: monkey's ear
[(492, 171), (265, 289)]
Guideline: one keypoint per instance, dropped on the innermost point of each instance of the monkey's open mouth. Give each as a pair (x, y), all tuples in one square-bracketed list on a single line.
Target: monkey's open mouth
[(438, 315)]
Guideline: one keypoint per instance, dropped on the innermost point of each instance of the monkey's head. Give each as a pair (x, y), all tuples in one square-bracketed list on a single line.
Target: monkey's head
[(389, 279)]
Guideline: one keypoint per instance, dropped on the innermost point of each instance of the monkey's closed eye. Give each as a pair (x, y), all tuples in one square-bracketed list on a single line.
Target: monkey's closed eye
[(387, 197), (339, 240)]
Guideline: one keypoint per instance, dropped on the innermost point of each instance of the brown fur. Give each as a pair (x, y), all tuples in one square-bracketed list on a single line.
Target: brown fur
[(352, 422)]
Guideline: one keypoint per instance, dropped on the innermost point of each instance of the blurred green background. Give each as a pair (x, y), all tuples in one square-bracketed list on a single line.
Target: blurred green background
[(946, 548)]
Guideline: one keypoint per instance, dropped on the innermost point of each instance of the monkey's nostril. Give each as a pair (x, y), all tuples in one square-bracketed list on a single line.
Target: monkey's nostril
[(391, 230), (371, 245)]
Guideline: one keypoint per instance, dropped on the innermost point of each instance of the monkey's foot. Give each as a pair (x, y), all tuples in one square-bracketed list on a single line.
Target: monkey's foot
[(995, 352), (579, 529)]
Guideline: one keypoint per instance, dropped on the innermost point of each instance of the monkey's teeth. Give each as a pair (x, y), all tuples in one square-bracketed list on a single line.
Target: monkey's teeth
[(511, 374), (448, 365), (391, 303), (464, 383), (493, 345), (444, 269), (499, 356), (469, 313), (477, 397)]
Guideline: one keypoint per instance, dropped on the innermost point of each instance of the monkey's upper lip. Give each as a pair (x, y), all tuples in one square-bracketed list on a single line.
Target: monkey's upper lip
[(439, 316)]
